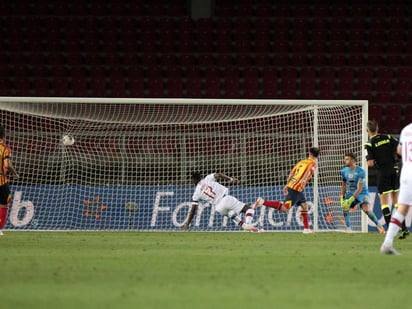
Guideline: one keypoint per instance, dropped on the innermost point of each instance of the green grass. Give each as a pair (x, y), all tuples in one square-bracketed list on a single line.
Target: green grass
[(201, 270)]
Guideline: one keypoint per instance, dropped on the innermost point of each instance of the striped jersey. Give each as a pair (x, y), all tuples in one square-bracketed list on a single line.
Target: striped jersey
[(5, 153), (302, 173)]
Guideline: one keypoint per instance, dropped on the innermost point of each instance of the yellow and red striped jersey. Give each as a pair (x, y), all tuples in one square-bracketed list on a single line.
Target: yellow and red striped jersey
[(301, 174), (5, 153)]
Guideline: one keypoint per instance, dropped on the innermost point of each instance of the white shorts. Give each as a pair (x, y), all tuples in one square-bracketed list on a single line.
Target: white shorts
[(405, 192), (228, 203)]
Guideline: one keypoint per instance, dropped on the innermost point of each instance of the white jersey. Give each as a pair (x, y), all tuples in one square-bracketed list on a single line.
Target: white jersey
[(405, 141), (208, 190)]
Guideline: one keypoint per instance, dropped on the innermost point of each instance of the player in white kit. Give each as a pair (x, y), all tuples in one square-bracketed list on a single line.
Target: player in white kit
[(208, 190), (405, 190)]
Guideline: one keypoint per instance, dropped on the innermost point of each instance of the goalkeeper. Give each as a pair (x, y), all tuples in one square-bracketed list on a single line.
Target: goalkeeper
[(354, 191)]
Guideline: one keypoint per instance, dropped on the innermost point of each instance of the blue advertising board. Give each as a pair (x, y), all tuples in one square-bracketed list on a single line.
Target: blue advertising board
[(51, 207)]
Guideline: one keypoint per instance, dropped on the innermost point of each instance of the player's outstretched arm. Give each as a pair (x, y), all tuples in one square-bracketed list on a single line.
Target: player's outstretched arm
[(190, 218), (225, 177)]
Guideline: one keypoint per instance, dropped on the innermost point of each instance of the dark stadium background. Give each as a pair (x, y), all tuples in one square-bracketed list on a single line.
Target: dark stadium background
[(212, 49)]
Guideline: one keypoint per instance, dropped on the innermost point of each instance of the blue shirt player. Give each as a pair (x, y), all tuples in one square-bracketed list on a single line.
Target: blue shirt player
[(354, 191)]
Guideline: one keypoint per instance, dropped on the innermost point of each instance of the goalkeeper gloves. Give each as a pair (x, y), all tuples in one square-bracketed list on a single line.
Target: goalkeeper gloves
[(346, 203)]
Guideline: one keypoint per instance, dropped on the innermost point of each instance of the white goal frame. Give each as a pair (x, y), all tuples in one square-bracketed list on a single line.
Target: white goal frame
[(9, 103)]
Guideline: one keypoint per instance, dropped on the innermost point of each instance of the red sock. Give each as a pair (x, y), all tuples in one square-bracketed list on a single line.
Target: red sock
[(305, 218), (273, 204), (3, 216)]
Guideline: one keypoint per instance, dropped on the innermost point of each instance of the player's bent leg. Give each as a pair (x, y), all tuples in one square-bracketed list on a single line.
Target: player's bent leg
[(258, 202)]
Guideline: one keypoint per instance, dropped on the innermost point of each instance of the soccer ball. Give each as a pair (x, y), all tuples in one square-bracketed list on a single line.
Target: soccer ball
[(67, 140)]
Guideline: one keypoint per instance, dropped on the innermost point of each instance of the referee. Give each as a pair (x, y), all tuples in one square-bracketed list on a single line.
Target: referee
[(381, 153)]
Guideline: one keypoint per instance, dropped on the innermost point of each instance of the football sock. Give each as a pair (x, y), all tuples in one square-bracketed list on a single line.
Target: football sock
[(347, 219), (3, 216), (394, 226), (386, 211), (305, 218), (249, 215), (273, 204), (238, 220), (372, 216), (404, 228)]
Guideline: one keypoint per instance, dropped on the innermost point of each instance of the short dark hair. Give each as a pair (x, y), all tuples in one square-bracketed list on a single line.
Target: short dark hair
[(196, 176), (351, 155), (372, 126), (314, 151), (2, 132)]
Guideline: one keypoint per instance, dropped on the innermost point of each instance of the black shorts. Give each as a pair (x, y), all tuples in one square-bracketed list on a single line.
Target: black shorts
[(5, 194), (388, 181)]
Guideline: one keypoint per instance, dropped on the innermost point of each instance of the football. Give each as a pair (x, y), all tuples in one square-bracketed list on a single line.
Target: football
[(67, 140)]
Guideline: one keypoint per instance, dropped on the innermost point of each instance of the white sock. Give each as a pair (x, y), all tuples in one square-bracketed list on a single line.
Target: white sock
[(238, 220), (249, 215), (393, 229)]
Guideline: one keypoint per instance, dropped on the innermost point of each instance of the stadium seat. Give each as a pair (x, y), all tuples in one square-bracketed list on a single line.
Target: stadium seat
[(383, 85), (6, 87), (117, 88), (307, 88), (60, 86), (98, 88), (212, 88), (175, 88), (407, 115), (365, 73), (243, 59), (375, 112), (288, 73), (231, 88), (136, 87), (194, 88), (79, 87), (326, 86), (392, 124), (327, 73), (345, 85), (299, 59), (40, 71), (345, 73), (383, 98), (251, 89)]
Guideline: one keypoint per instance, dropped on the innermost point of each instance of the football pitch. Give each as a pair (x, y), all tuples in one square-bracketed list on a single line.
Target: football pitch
[(201, 270)]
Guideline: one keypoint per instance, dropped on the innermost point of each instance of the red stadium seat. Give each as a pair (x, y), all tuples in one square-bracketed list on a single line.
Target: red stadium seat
[(175, 88), (79, 87), (98, 88), (136, 87), (375, 112), (383, 85), (383, 98), (346, 73), (117, 87), (365, 73), (60, 86)]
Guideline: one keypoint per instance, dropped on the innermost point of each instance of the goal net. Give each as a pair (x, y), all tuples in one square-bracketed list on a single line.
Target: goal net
[(132, 160)]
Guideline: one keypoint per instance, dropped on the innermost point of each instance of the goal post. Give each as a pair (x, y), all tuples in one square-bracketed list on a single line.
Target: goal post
[(130, 165)]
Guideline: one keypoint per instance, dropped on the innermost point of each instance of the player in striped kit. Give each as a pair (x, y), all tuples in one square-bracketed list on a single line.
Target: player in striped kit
[(404, 149), (210, 191), (5, 167), (298, 178)]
